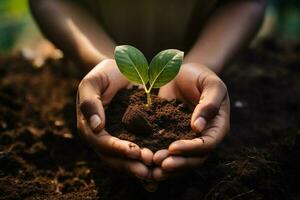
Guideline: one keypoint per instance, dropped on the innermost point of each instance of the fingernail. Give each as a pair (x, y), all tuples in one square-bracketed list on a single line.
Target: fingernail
[(200, 123), (95, 121)]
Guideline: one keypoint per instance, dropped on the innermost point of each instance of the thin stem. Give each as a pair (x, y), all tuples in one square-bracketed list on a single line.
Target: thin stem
[(148, 99)]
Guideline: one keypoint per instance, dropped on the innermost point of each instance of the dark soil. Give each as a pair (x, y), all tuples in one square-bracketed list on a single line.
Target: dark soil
[(154, 127), (42, 156)]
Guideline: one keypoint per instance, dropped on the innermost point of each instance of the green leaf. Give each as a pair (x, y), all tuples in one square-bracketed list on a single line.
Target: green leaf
[(164, 67), (132, 64)]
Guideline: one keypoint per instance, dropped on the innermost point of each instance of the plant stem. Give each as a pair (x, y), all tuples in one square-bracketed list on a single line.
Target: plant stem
[(148, 99)]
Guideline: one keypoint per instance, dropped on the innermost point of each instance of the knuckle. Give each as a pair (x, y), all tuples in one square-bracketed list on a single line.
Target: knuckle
[(198, 141), (132, 146), (222, 85), (215, 80), (124, 150), (212, 79), (115, 144), (121, 148), (131, 150), (95, 82), (83, 83)]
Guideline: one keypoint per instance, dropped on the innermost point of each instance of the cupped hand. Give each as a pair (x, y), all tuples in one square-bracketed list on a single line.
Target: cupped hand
[(95, 92), (202, 90)]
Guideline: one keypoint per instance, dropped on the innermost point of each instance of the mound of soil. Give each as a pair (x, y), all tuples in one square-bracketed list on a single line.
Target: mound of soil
[(154, 127), (43, 157)]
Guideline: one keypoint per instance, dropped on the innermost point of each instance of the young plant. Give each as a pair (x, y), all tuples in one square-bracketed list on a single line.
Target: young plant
[(134, 66)]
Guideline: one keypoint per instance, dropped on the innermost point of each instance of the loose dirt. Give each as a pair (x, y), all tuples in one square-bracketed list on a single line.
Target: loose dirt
[(43, 157)]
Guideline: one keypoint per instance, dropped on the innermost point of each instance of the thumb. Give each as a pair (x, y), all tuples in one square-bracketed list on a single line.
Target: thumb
[(93, 112), (90, 103), (213, 91)]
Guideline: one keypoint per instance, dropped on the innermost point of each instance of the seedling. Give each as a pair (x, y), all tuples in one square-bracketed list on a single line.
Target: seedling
[(134, 66)]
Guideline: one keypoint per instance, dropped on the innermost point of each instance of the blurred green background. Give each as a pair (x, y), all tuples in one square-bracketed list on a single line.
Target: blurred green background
[(17, 28), (14, 19)]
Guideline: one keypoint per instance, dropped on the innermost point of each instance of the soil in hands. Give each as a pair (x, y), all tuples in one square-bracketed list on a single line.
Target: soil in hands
[(154, 127), (43, 157)]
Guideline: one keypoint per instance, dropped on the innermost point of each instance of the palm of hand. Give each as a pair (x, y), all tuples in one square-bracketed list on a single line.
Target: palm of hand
[(200, 89)]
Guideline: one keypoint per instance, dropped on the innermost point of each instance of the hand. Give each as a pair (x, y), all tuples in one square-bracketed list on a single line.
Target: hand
[(95, 92), (199, 88)]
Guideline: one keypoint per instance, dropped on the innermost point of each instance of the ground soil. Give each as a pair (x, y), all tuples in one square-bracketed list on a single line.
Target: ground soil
[(43, 157), (154, 127)]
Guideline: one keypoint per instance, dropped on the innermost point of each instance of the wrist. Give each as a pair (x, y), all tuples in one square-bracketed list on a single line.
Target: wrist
[(195, 66), (89, 59), (213, 67)]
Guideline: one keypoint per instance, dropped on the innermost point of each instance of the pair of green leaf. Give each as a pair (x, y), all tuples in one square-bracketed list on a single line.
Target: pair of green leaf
[(134, 66)]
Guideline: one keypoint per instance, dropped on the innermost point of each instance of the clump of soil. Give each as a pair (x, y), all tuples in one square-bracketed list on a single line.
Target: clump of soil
[(153, 127)]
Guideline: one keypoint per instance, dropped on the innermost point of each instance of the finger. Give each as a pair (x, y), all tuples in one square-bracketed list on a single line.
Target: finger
[(213, 92), (197, 146), (161, 175), (167, 91), (178, 163), (147, 156), (210, 137), (132, 167), (104, 142), (93, 112), (159, 156), (89, 99)]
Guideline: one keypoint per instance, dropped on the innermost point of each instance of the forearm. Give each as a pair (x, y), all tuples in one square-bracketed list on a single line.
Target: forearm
[(230, 29), (72, 30)]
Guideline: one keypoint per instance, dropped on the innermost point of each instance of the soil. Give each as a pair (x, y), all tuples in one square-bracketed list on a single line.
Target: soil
[(43, 157), (154, 127)]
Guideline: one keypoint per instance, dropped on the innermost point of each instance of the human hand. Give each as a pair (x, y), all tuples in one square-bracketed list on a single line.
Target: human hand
[(95, 92), (199, 88)]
